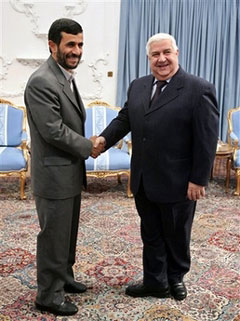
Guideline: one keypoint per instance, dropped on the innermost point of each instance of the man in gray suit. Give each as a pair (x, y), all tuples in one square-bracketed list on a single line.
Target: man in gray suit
[(56, 118), (174, 137)]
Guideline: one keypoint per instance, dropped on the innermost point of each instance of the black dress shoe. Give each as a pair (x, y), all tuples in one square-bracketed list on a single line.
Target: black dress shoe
[(178, 291), (65, 308), (143, 290), (75, 287)]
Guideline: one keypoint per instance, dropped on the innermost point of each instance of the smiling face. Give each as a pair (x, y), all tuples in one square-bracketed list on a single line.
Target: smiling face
[(163, 59), (69, 52)]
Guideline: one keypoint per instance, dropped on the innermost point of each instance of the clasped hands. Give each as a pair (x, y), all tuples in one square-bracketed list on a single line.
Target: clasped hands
[(98, 145)]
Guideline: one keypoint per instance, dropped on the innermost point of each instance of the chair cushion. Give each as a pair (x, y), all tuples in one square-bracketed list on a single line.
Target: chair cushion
[(11, 120), (97, 119), (236, 124), (11, 159), (112, 159), (237, 159)]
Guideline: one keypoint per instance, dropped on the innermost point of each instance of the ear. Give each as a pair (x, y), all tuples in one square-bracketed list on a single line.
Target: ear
[(52, 46)]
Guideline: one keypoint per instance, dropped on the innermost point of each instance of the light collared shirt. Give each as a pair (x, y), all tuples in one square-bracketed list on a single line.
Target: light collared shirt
[(69, 75)]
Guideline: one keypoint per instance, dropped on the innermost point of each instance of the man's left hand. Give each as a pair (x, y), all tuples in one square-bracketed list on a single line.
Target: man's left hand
[(195, 192)]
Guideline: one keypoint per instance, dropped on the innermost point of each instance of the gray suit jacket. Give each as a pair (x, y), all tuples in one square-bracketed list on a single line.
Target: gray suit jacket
[(58, 145), (174, 141)]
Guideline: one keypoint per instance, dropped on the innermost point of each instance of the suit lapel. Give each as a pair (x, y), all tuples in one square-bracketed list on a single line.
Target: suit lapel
[(71, 96), (79, 100), (171, 92), (66, 87), (146, 95)]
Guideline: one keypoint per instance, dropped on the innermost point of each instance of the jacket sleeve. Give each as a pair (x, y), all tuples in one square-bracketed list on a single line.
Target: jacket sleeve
[(119, 126), (205, 135)]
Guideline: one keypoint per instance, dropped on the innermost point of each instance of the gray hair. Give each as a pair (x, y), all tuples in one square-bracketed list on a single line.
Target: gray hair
[(159, 37)]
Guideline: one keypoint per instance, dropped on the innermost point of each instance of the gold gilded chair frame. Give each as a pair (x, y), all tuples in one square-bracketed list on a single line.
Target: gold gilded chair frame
[(235, 148), (108, 173), (21, 173)]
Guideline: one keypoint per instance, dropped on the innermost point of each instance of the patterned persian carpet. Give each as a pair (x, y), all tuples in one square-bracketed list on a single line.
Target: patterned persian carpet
[(109, 258)]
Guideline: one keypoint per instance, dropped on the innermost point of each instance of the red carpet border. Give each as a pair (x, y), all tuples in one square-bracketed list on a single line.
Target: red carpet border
[(109, 258)]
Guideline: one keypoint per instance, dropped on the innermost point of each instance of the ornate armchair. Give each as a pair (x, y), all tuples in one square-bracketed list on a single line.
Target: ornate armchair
[(13, 142), (234, 141), (116, 160)]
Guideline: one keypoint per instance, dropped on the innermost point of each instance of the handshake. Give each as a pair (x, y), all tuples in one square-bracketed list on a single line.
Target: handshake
[(98, 145)]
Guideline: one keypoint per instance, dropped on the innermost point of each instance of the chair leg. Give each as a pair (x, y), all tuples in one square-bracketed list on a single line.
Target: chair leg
[(237, 191), (22, 185), (129, 193), (119, 178), (229, 162)]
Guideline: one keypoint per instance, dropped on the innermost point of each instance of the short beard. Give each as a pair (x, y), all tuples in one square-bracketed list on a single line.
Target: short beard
[(61, 59)]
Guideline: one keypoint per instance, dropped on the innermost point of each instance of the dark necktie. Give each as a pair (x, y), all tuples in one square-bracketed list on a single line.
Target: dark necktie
[(76, 94), (160, 85), (70, 80), (75, 91)]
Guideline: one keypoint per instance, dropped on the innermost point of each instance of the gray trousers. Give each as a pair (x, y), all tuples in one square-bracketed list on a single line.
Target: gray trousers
[(56, 246)]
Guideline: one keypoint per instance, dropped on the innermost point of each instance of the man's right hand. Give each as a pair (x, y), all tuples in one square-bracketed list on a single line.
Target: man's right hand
[(98, 145)]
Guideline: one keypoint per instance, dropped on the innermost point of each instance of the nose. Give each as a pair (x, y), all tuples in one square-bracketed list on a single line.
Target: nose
[(161, 57), (77, 50)]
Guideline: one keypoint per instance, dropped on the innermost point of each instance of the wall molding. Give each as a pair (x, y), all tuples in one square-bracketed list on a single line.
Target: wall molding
[(75, 10), (31, 62), (33, 17), (96, 73), (34, 62), (28, 8), (13, 94), (5, 66), (97, 76)]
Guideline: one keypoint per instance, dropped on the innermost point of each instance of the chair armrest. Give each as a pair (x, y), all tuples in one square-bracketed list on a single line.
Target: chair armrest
[(234, 139), (25, 145), (24, 136), (127, 144), (24, 139), (128, 141)]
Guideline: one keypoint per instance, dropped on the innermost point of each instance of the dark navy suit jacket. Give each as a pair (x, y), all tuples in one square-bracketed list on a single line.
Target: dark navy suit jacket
[(174, 141)]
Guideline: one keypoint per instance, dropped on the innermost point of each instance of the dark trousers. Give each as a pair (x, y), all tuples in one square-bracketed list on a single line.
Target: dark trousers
[(166, 232), (56, 246)]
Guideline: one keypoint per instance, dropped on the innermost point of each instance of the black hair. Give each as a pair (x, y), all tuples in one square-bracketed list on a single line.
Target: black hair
[(63, 25)]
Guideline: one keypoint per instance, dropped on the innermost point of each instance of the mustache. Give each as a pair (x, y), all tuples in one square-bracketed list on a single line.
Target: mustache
[(73, 56)]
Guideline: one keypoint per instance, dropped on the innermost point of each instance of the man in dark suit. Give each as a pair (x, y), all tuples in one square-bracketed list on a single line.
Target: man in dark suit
[(56, 118), (174, 137)]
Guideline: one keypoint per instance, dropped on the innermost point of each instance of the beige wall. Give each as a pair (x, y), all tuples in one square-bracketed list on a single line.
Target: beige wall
[(23, 44)]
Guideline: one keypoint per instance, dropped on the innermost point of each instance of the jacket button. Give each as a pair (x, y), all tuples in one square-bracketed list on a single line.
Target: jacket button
[(144, 139)]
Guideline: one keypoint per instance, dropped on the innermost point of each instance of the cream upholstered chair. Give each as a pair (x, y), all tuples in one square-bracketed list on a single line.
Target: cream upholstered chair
[(13, 142), (234, 141), (116, 160)]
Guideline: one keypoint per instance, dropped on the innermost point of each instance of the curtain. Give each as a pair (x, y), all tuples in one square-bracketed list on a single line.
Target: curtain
[(207, 33)]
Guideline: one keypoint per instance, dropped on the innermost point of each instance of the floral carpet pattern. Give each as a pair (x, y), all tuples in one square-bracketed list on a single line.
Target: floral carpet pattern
[(109, 257)]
